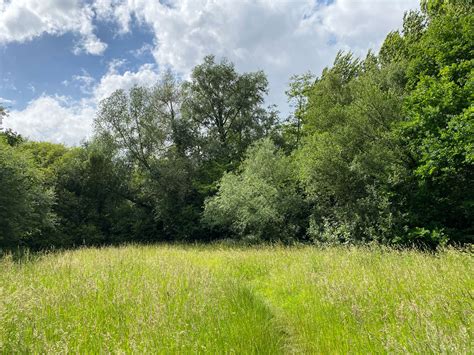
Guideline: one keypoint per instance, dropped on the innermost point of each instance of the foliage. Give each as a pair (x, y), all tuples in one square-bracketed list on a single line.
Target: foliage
[(176, 139), (260, 201), (25, 203), (226, 110), (377, 149), (440, 131), (12, 138), (388, 140), (130, 121), (298, 99), (153, 145), (349, 155), (46, 156)]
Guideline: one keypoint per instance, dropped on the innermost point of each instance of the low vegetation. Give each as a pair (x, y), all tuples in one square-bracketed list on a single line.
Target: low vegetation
[(169, 299)]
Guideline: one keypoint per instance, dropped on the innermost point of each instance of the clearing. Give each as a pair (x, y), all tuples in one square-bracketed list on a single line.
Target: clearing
[(183, 299)]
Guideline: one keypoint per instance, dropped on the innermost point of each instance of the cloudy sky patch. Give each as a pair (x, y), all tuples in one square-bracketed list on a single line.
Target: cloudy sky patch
[(59, 58)]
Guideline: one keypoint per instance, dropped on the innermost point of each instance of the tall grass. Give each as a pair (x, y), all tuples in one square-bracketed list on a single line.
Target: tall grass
[(169, 299)]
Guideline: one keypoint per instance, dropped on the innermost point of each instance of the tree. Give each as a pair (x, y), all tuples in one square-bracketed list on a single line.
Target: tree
[(348, 155), (260, 201), (149, 137), (297, 93), (93, 203), (25, 203), (439, 133), (226, 108), (131, 122), (12, 138), (167, 99), (387, 148), (46, 156)]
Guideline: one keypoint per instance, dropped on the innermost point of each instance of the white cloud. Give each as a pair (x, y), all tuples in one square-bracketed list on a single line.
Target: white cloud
[(282, 37), (54, 119), (115, 65), (23, 20), (147, 75), (63, 120), (6, 102), (84, 81), (144, 49), (90, 44), (117, 11)]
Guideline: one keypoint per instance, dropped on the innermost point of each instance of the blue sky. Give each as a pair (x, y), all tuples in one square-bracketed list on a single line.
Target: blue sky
[(47, 64), (59, 58)]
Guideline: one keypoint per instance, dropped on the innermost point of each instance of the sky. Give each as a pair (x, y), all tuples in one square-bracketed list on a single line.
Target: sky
[(60, 58)]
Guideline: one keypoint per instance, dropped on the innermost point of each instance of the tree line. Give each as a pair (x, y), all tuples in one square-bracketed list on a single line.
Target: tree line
[(377, 149)]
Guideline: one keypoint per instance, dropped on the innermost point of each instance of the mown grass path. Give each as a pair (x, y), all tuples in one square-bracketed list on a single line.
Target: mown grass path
[(171, 299)]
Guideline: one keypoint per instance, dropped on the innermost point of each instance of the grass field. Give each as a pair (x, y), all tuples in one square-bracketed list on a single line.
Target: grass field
[(182, 299)]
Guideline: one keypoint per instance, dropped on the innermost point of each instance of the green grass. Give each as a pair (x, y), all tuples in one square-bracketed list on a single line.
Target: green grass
[(171, 299)]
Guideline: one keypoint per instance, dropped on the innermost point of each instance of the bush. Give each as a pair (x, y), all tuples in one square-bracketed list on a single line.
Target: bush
[(260, 202)]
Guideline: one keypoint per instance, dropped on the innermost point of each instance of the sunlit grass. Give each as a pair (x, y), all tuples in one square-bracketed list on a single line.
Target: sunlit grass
[(172, 299)]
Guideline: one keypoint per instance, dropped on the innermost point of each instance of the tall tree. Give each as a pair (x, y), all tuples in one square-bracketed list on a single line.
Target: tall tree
[(297, 93), (439, 132), (227, 108), (131, 121), (348, 154), (151, 138)]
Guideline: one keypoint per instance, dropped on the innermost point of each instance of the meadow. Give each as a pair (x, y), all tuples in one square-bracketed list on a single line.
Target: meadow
[(215, 299)]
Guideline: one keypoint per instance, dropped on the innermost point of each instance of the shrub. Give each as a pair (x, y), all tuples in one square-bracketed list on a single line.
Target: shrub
[(260, 201)]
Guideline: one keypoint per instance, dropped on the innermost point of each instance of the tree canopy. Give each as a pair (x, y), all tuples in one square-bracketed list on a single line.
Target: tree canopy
[(377, 149)]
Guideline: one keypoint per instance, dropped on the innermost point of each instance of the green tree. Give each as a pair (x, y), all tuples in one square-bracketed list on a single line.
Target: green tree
[(12, 138), (388, 141), (227, 111), (155, 146), (439, 133), (25, 203), (349, 155), (94, 202), (130, 122), (260, 201), (297, 93)]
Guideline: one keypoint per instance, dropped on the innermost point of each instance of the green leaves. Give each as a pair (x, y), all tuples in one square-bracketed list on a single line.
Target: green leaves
[(25, 202), (439, 132), (260, 201), (226, 108), (388, 142), (350, 154)]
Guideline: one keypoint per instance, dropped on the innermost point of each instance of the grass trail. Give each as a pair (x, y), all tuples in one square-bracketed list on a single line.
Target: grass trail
[(208, 299)]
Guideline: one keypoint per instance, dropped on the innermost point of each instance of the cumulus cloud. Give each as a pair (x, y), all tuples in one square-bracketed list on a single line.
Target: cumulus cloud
[(147, 75), (61, 119), (23, 20), (53, 118), (84, 81), (281, 37), (90, 44), (144, 49)]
